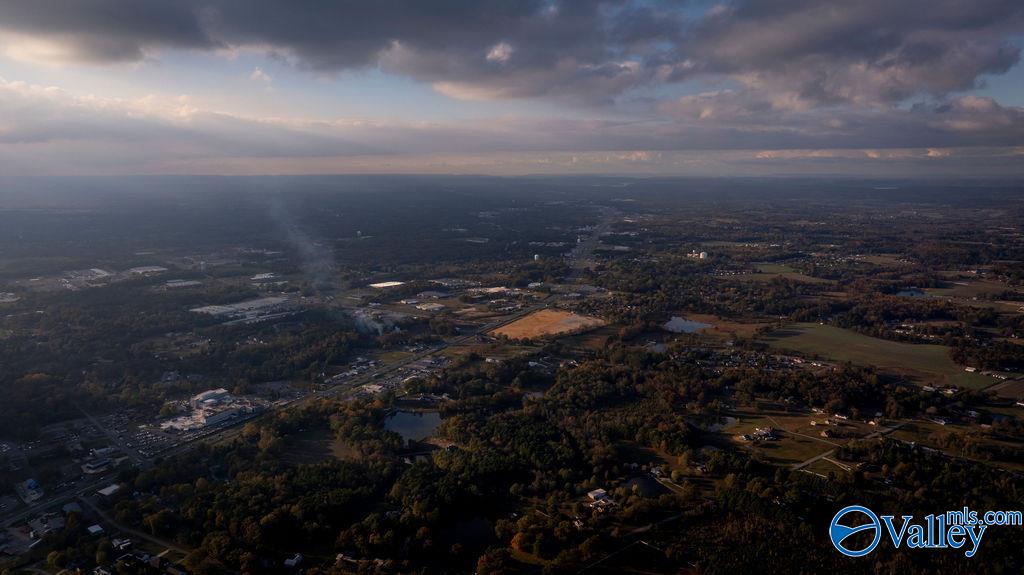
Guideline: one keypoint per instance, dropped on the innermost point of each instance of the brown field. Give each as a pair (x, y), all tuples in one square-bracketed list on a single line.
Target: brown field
[(548, 322)]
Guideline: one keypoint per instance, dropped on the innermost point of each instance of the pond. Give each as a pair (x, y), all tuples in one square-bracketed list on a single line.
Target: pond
[(912, 292), (682, 325), (413, 425)]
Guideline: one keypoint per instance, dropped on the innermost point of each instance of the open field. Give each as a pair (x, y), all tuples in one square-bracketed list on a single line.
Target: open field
[(1010, 389), (789, 449), (969, 288), (770, 268), (548, 322), (489, 350), (767, 272), (315, 446), (924, 363), (591, 340), (393, 356), (884, 260)]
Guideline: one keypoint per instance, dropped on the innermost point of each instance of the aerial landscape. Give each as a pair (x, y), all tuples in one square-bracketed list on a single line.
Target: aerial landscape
[(498, 287)]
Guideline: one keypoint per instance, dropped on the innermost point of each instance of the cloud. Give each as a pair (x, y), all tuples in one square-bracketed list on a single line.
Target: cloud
[(809, 75), (865, 52), (500, 52), (106, 30), (809, 52), (47, 129), (259, 75)]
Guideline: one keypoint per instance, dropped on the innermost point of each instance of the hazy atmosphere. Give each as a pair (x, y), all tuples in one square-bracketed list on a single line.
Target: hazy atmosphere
[(524, 287), (915, 87)]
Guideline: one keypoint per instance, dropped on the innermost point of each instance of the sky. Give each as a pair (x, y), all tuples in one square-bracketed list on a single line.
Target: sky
[(781, 87)]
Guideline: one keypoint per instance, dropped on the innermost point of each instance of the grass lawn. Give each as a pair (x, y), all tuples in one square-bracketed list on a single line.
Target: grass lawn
[(924, 363), (789, 449)]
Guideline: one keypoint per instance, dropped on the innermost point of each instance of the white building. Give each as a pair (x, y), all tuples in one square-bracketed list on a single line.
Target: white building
[(209, 397)]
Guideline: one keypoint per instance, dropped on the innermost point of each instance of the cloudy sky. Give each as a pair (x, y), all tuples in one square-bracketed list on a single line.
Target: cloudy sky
[(865, 87)]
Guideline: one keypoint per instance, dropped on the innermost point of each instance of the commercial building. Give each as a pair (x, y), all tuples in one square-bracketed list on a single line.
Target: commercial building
[(209, 397)]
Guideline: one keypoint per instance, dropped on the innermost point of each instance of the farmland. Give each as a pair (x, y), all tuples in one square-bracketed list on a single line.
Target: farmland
[(922, 363)]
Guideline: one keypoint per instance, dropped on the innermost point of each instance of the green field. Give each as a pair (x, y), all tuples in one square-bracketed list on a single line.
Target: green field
[(968, 288), (769, 268), (768, 271), (921, 362)]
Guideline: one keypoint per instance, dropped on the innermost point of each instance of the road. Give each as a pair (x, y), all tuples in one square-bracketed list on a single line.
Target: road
[(580, 256), (133, 532), (831, 452), (53, 501)]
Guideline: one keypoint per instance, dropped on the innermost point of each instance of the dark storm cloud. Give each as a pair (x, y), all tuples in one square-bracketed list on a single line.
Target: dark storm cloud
[(109, 30), (824, 51)]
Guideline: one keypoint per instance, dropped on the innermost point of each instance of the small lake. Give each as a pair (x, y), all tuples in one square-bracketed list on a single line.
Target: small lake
[(682, 325), (912, 292), (413, 425)]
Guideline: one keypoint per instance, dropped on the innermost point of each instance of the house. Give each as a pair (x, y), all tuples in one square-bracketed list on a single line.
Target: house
[(293, 561), (598, 495), (95, 530)]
